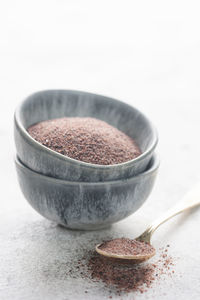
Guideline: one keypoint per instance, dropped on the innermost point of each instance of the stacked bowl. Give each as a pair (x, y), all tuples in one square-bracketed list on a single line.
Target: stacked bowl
[(77, 194)]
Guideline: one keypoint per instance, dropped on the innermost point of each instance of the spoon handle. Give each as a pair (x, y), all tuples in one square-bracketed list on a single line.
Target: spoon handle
[(190, 200)]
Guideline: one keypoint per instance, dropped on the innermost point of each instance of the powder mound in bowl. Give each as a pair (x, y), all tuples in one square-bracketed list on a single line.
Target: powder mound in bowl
[(124, 246), (86, 139)]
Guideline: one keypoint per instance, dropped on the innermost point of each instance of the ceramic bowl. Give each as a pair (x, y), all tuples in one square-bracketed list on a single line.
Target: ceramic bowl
[(65, 103), (86, 205)]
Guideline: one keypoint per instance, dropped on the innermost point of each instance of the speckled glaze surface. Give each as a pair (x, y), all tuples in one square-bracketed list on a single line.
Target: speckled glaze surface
[(82, 205), (59, 103)]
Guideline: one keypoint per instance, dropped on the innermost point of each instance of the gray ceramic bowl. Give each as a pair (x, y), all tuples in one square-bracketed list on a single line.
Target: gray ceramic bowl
[(59, 103), (86, 205)]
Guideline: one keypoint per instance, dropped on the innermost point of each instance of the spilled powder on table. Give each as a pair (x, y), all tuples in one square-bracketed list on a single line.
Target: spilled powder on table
[(121, 278)]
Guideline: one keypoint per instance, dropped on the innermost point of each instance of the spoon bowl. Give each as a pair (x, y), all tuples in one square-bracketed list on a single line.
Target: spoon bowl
[(138, 258)]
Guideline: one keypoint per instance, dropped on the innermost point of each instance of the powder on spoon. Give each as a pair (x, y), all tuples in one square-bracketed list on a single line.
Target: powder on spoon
[(86, 139), (125, 246)]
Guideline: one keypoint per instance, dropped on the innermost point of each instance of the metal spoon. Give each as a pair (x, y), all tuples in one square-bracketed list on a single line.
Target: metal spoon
[(190, 200)]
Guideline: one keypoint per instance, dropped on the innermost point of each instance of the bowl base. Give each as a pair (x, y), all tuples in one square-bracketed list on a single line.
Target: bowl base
[(89, 227)]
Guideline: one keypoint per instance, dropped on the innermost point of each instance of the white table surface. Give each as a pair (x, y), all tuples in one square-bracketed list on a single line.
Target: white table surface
[(145, 53)]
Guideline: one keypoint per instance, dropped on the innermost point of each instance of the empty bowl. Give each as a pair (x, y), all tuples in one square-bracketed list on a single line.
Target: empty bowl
[(65, 103), (86, 205)]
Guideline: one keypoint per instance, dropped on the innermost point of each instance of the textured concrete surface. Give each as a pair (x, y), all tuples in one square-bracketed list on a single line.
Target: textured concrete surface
[(149, 58)]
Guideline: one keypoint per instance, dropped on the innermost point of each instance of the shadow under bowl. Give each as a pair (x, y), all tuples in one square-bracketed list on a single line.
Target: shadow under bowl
[(82, 205), (52, 104)]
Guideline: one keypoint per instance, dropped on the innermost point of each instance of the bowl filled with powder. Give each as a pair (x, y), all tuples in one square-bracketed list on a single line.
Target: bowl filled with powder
[(80, 136)]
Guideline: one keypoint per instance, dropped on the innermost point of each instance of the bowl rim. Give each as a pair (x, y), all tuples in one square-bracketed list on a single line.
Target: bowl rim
[(153, 168), (73, 161)]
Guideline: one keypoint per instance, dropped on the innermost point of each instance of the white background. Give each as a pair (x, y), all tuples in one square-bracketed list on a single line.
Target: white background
[(146, 53), (134, 50)]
